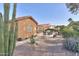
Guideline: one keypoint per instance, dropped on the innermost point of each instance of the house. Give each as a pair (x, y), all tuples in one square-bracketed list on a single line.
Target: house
[(42, 27), (26, 26)]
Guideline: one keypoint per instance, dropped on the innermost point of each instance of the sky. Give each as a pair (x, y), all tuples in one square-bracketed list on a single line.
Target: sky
[(44, 13)]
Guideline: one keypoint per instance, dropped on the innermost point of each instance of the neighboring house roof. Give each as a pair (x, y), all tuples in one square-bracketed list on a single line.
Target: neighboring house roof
[(26, 17), (44, 25)]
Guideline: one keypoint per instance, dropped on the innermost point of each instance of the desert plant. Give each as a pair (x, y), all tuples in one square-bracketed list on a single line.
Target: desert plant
[(72, 44), (6, 27), (1, 35), (8, 31), (19, 39), (32, 40), (71, 39), (67, 32)]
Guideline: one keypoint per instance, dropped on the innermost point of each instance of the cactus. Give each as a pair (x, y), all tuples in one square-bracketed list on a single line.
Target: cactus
[(8, 31), (6, 27), (13, 29), (1, 35)]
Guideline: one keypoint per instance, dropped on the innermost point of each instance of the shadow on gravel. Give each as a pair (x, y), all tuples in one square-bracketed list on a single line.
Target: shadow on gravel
[(53, 41)]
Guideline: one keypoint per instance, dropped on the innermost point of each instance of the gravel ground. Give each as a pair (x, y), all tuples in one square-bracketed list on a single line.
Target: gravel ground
[(48, 47)]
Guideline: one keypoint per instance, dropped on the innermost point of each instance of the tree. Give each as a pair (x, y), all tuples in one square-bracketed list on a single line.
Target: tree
[(70, 20), (74, 25), (73, 7)]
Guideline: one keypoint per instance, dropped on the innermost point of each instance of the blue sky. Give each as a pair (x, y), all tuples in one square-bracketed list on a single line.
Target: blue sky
[(43, 13)]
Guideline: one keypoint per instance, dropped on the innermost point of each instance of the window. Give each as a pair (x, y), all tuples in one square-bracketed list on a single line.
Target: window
[(29, 28)]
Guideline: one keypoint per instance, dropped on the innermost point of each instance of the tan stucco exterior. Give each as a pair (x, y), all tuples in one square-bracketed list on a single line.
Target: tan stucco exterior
[(23, 25)]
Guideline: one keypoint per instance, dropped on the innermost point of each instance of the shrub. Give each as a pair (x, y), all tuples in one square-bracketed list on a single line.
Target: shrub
[(26, 38), (72, 44), (19, 39), (67, 32), (72, 39), (32, 40)]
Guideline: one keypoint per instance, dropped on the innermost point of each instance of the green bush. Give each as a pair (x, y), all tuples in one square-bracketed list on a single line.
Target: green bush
[(72, 39), (67, 32), (32, 40), (19, 39)]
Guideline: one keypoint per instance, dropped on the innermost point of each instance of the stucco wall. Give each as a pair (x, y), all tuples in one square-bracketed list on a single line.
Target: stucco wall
[(22, 25)]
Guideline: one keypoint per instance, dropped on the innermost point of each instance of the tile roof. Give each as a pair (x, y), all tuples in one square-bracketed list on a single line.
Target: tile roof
[(26, 17)]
